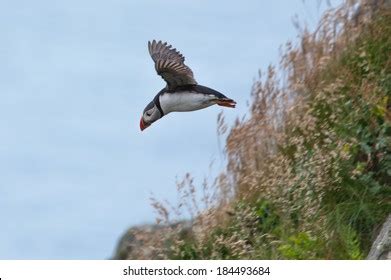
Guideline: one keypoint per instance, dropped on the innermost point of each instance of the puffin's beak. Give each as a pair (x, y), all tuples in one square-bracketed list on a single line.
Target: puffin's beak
[(142, 125)]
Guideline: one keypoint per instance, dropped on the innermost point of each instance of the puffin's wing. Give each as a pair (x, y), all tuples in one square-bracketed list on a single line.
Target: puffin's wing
[(169, 63)]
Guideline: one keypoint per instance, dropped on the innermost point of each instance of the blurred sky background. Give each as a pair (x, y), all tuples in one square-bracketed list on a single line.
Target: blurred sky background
[(75, 170)]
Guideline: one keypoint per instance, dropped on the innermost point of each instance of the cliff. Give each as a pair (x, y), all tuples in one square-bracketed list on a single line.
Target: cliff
[(309, 171)]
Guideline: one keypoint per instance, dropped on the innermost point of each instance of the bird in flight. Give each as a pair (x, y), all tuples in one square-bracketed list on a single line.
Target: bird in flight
[(182, 93)]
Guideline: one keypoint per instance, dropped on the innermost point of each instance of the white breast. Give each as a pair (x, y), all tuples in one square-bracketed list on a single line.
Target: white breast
[(185, 101)]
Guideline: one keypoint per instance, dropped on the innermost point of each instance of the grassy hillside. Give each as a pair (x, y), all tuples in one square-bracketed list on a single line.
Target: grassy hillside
[(309, 171)]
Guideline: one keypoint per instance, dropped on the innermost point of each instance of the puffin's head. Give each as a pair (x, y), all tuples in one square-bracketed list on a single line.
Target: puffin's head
[(150, 115)]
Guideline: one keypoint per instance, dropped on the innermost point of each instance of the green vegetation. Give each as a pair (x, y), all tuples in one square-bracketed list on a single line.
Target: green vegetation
[(309, 172)]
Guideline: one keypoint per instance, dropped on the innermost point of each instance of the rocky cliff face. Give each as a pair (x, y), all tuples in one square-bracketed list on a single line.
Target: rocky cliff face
[(134, 244), (381, 248), (145, 242)]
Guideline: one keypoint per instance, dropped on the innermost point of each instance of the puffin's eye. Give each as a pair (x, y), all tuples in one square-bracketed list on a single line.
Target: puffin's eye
[(149, 114)]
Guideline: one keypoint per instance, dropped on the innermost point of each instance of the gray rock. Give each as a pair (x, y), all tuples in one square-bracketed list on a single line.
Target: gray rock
[(381, 248), (146, 242)]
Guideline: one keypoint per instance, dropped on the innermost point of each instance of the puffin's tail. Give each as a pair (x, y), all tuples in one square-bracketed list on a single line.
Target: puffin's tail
[(226, 102)]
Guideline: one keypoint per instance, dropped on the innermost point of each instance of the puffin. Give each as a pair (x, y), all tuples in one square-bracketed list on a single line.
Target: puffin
[(182, 93)]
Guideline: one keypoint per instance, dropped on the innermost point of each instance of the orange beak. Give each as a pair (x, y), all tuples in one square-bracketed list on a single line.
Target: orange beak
[(143, 125)]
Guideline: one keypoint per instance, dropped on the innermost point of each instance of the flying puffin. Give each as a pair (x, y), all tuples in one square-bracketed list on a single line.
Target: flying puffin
[(182, 93)]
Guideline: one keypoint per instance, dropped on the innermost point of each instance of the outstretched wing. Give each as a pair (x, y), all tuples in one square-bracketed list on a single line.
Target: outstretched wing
[(169, 63)]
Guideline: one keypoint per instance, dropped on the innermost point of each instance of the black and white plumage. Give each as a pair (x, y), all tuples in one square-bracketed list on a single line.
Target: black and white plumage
[(182, 93)]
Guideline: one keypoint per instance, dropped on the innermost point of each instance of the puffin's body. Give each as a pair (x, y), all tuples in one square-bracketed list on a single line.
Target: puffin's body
[(182, 93)]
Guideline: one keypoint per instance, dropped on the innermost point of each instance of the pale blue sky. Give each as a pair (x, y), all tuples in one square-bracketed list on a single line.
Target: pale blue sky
[(75, 75)]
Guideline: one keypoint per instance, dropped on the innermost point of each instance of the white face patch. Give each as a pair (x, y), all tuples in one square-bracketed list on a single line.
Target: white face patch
[(185, 101), (151, 115)]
